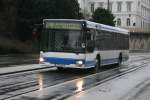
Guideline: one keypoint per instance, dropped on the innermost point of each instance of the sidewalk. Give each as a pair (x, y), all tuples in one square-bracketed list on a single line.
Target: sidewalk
[(126, 87), (13, 63), (18, 59), (22, 68)]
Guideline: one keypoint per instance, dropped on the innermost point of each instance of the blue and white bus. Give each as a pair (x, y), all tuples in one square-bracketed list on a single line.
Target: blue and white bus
[(68, 43)]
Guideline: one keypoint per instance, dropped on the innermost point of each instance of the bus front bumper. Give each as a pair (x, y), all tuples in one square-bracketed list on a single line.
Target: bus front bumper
[(83, 66), (67, 63)]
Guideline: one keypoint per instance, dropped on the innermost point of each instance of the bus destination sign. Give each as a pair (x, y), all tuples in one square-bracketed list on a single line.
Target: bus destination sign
[(63, 25)]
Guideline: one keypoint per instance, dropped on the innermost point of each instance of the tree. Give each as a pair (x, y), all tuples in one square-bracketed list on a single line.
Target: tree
[(1, 6), (103, 16), (7, 18), (32, 12)]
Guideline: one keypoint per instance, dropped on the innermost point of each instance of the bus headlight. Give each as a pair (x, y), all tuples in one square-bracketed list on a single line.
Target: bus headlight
[(41, 59), (79, 62)]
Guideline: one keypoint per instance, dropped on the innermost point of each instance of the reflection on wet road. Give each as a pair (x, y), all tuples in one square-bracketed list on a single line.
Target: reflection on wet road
[(79, 85), (40, 82)]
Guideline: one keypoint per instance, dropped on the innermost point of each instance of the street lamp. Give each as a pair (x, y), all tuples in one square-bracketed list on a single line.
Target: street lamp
[(84, 13), (107, 4)]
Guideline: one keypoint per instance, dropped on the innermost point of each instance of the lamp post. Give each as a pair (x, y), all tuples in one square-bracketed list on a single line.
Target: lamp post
[(107, 4), (84, 8)]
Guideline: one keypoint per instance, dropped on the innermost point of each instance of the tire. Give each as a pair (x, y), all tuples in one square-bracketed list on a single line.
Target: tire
[(97, 66), (120, 60)]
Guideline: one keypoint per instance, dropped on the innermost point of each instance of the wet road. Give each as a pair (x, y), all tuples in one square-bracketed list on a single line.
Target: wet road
[(19, 84)]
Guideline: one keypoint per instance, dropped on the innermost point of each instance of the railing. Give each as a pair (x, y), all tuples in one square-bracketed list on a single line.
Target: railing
[(139, 30)]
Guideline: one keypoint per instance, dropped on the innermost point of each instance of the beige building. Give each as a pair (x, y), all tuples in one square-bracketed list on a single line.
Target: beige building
[(130, 14)]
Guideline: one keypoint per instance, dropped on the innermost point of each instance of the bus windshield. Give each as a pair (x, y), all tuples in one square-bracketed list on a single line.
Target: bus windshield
[(62, 40)]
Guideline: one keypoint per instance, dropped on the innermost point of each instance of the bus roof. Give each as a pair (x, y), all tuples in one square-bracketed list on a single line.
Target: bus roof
[(93, 25)]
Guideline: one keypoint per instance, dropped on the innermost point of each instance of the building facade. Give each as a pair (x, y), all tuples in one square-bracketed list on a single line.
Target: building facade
[(133, 15)]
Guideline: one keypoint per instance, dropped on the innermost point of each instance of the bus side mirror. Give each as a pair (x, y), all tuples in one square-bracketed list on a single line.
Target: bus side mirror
[(90, 46)]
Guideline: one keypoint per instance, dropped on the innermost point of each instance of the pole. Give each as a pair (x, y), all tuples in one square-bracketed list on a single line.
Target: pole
[(84, 8), (107, 4)]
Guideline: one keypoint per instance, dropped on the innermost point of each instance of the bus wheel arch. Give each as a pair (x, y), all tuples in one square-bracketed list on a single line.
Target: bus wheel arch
[(60, 68)]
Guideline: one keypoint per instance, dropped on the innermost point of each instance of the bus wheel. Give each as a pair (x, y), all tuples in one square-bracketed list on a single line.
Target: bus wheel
[(97, 66), (59, 68), (119, 60)]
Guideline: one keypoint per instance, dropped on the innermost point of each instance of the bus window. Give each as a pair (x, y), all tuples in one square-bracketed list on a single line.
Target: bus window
[(90, 41)]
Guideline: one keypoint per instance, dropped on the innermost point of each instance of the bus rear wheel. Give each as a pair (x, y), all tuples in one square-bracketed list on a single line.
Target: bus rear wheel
[(120, 60), (97, 66)]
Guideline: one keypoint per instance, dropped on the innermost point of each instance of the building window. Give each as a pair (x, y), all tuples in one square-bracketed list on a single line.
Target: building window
[(119, 6), (129, 6), (118, 22), (138, 3), (110, 6), (143, 24), (101, 4), (128, 22), (92, 7)]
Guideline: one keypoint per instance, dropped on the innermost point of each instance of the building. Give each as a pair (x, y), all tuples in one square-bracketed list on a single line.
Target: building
[(130, 14)]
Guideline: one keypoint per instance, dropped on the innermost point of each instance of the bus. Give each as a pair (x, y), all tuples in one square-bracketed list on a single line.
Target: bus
[(69, 43)]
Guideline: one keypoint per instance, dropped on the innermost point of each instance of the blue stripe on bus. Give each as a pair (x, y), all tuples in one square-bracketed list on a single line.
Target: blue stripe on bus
[(103, 62), (65, 61), (109, 61), (68, 61)]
